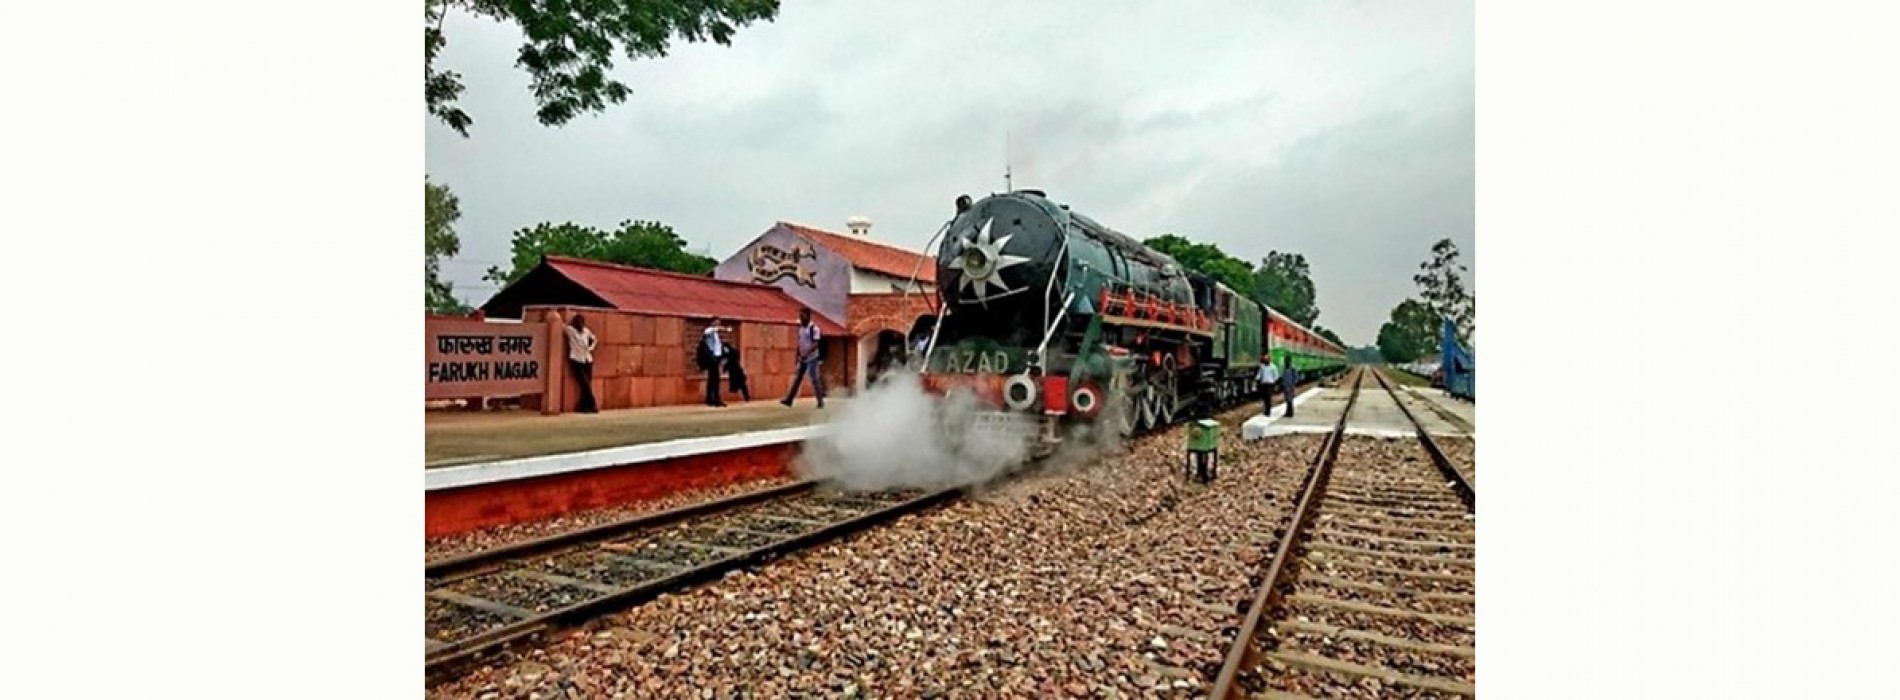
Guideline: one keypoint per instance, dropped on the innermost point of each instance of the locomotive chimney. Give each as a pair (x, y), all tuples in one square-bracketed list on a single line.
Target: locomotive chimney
[(860, 226)]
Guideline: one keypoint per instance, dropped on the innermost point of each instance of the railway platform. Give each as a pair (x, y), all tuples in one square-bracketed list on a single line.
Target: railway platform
[(1376, 415), (1443, 415), (454, 438), (489, 469)]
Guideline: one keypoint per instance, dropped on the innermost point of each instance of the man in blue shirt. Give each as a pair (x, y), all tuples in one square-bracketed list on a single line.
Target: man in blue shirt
[(807, 359), (1289, 378)]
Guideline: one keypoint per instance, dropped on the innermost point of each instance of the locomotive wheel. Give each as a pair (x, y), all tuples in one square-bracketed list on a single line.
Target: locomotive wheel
[(1167, 393)]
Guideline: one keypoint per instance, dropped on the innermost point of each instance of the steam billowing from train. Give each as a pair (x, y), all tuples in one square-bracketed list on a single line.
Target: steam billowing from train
[(896, 435)]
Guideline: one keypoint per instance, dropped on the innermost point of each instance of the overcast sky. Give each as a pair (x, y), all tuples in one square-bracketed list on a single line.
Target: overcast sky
[(1340, 130)]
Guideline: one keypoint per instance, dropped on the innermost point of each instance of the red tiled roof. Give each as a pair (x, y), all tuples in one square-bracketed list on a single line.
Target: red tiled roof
[(662, 293), (868, 255)]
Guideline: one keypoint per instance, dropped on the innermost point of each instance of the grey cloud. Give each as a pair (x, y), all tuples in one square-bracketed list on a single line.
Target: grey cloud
[(1363, 202), (1340, 131)]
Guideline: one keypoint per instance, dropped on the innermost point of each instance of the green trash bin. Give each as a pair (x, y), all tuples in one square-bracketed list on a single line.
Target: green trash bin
[(1203, 457), (1203, 435)]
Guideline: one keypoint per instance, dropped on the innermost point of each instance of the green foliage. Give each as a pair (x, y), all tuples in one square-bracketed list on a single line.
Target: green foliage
[(1366, 355), (1328, 334), (1207, 259), (648, 244), (571, 44), (1410, 333), (1441, 285), (440, 210), (1284, 282)]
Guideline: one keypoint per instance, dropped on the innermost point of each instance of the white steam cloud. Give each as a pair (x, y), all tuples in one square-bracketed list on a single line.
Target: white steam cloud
[(896, 435)]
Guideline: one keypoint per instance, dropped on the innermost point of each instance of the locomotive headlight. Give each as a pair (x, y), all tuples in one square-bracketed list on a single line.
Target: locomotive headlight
[(976, 263)]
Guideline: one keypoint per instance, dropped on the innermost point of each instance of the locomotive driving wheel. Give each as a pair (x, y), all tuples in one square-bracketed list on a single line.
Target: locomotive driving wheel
[(1165, 389), (1144, 407)]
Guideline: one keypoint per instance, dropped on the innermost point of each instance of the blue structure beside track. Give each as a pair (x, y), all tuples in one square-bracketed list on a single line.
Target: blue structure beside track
[(1459, 365)]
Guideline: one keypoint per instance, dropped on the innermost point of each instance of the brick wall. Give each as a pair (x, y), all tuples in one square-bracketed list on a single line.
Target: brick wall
[(871, 313), (642, 360)]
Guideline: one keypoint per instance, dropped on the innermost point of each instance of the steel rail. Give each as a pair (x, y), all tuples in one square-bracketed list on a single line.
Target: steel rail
[(1466, 492), (476, 561), (440, 657), (445, 655), (1269, 593)]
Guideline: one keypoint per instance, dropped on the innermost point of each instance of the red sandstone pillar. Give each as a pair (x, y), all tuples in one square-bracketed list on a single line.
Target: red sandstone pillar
[(551, 402)]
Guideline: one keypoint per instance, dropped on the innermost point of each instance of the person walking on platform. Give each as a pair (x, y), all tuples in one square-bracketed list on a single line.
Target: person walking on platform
[(1265, 379), (711, 353), (580, 360), (808, 357), (1289, 378), (735, 374)]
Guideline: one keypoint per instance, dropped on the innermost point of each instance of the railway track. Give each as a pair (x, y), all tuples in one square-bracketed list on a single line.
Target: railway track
[(480, 603), (1372, 592)]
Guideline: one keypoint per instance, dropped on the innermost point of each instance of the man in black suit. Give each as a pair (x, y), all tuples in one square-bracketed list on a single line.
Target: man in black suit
[(711, 353)]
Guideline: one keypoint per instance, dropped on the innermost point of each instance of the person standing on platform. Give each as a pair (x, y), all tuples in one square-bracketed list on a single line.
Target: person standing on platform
[(735, 374), (1265, 380), (711, 353), (1289, 378), (580, 360), (808, 357)]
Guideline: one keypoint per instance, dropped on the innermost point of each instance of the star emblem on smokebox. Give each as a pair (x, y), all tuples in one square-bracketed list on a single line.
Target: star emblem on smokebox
[(981, 260)]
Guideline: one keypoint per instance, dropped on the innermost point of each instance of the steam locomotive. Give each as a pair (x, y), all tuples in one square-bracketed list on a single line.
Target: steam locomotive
[(1057, 319)]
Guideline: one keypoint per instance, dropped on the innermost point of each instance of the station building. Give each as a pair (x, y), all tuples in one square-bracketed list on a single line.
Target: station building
[(647, 324), (875, 290), (866, 296)]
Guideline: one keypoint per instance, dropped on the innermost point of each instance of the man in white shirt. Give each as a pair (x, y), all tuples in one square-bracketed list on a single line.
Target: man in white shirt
[(580, 362), (1266, 378)]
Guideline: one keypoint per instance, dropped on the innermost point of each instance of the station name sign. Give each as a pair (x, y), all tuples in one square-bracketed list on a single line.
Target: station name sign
[(472, 359)]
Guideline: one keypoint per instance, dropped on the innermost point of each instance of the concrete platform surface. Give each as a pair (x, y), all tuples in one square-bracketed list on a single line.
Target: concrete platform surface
[(1264, 425), (1311, 414), (1377, 414), (1317, 411), (1462, 414), (1437, 421), (453, 438)]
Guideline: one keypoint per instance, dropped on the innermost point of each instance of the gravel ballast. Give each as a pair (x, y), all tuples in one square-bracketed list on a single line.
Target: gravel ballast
[(1114, 578)]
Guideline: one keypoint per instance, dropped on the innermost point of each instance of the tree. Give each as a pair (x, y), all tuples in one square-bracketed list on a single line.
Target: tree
[(1328, 334), (1284, 282), (1410, 332), (570, 46), (1366, 355), (1441, 285), (1207, 259), (440, 210), (647, 244)]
